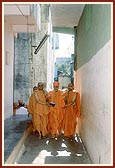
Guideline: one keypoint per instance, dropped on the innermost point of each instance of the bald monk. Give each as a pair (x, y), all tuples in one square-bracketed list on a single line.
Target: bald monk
[(38, 106), (55, 114), (72, 111)]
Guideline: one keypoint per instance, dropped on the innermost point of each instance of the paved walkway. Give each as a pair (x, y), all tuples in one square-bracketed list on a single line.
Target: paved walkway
[(14, 131), (53, 151), (22, 147)]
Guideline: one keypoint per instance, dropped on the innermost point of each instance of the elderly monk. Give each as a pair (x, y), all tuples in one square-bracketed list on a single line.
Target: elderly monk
[(72, 111), (55, 115), (39, 108)]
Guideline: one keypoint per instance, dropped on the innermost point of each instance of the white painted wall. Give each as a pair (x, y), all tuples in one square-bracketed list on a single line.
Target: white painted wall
[(94, 82), (8, 70), (50, 59), (43, 60)]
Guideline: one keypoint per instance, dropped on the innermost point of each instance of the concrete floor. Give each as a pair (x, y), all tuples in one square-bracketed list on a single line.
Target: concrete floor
[(22, 147), (53, 151)]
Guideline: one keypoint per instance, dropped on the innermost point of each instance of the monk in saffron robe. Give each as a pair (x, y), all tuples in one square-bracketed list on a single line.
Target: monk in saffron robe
[(72, 111), (31, 107), (39, 108), (55, 114)]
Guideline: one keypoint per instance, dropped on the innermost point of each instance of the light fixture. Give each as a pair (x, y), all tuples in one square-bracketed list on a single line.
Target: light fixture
[(41, 43)]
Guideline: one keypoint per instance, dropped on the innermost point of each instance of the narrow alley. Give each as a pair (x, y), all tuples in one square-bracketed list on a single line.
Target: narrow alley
[(32, 150), (32, 53)]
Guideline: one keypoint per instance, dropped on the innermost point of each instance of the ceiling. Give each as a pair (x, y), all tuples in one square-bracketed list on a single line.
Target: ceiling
[(63, 15), (66, 15)]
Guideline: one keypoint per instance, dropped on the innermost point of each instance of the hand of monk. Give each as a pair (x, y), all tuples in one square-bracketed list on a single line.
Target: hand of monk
[(65, 106)]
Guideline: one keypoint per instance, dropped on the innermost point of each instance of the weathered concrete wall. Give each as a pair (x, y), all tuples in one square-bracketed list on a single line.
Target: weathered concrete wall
[(40, 59), (31, 68), (8, 70), (21, 67), (43, 61), (64, 81)]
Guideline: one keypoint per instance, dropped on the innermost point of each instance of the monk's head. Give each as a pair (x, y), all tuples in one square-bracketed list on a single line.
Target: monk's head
[(56, 85), (70, 86), (40, 86), (35, 88)]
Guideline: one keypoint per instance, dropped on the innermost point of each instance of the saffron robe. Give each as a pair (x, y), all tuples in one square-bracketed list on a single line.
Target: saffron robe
[(55, 115), (72, 111), (39, 109)]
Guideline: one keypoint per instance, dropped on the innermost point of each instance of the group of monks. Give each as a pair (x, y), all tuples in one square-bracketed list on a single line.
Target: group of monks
[(54, 112)]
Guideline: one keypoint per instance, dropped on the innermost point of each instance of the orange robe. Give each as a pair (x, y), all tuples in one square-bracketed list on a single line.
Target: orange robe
[(55, 115), (78, 106), (39, 110), (31, 107), (71, 113)]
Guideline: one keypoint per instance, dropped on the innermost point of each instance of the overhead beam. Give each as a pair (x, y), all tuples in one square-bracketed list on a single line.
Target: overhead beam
[(65, 30)]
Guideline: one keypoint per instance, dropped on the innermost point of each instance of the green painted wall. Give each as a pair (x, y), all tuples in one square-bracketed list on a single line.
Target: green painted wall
[(93, 31)]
